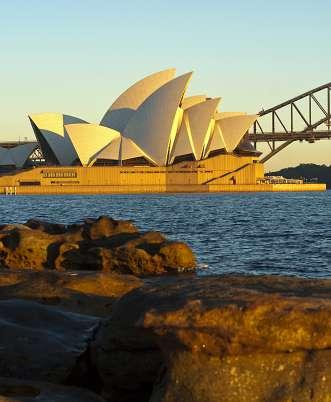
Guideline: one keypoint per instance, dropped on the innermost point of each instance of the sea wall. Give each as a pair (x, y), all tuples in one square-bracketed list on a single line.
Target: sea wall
[(142, 189)]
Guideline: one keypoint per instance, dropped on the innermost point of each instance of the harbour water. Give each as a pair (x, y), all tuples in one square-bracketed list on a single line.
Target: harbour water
[(259, 233)]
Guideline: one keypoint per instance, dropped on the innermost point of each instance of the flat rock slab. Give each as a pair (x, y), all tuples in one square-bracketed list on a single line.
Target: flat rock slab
[(13, 390), (221, 339), (42, 343), (91, 293)]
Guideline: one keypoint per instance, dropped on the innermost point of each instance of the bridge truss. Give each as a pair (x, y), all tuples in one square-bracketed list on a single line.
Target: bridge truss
[(304, 118)]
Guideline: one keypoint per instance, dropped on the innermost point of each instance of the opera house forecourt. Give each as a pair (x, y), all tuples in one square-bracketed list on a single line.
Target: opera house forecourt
[(152, 139)]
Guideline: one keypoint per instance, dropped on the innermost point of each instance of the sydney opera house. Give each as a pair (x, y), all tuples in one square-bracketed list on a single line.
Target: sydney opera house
[(153, 138)]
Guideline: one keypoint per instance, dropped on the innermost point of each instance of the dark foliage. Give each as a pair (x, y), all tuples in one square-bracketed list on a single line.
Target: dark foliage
[(309, 172)]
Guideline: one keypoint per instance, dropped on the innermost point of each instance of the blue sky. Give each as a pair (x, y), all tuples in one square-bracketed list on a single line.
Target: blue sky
[(77, 56)]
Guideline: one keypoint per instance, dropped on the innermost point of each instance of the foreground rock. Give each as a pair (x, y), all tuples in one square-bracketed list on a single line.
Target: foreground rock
[(12, 390), (101, 244), (229, 339), (43, 343), (91, 293)]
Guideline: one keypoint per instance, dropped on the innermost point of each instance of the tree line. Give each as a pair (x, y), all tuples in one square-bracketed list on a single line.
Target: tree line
[(309, 172)]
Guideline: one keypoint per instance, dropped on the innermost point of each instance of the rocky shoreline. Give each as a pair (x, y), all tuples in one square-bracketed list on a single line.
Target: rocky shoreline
[(101, 312)]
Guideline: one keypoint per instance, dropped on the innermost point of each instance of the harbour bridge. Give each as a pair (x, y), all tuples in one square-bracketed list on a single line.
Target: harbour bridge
[(303, 118), (306, 117)]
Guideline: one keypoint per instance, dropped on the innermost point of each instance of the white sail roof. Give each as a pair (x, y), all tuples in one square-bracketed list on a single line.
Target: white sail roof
[(222, 115), (155, 122), (234, 128), (111, 151), (121, 148), (51, 127), (21, 153), (89, 139), (52, 122), (61, 147), (183, 144), (3, 154), (5, 157), (217, 141), (200, 116), (130, 150), (192, 100), (128, 102)]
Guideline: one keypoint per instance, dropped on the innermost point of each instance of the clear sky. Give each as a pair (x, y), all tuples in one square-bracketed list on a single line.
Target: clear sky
[(76, 56)]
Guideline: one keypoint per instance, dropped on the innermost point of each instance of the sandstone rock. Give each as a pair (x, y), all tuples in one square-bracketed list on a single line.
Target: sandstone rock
[(101, 283), (105, 227), (26, 248), (223, 339), (61, 261), (43, 343), (128, 260), (101, 244), (149, 241), (8, 277), (13, 390), (298, 376), (12, 226), (45, 226), (73, 257), (147, 254), (177, 256), (91, 293)]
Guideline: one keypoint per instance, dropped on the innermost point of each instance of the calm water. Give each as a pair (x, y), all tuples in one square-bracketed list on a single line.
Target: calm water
[(281, 233)]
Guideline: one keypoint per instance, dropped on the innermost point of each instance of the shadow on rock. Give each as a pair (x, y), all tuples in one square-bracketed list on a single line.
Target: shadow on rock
[(91, 293), (13, 390)]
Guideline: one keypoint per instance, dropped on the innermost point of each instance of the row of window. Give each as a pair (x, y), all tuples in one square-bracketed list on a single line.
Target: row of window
[(67, 182), (59, 174), (73, 174)]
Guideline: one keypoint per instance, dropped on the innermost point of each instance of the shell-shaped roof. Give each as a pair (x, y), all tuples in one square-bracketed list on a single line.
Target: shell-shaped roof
[(120, 112), (52, 122), (183, 144), (21, 153), (222, 115), (130, 150), (192, 100), (111, 151), (200, 116), (5, 157), (217, 141), (51, 134), (154, 124), (121, 148), (89, 139), (234, 128)]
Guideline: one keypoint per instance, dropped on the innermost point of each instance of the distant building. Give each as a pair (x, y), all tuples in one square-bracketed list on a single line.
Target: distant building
[(153, 138)]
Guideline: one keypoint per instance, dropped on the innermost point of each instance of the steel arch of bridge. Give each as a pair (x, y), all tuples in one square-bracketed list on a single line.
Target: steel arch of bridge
[(287, 131)]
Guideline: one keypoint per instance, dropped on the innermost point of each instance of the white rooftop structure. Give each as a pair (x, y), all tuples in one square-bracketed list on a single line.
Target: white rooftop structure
[(152, 122), (52, 136), (124, 107), (17, 156)]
